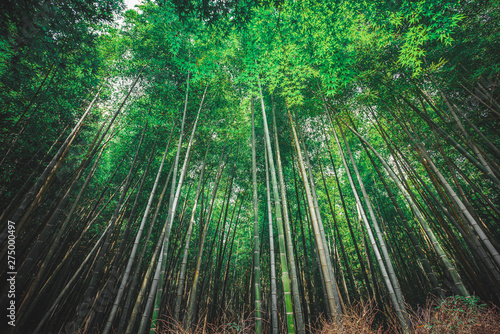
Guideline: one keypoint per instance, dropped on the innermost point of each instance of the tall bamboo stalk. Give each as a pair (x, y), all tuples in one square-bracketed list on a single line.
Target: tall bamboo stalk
[(182, 275), (256, 240), (130, 262), (335, 311), (170, 218), (399, 308), (272, 262), (279, 221), (299, 318)]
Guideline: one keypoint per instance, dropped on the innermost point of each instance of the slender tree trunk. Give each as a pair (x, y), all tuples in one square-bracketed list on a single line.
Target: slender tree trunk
[(182, 276), (279, 222), (446, 263), (193, 297), (70, 283), (38, 186), (126, 275), (352, 281), (24, 272), (228, 264), (398, 306), (272, 263), (222, 248), (487, 172), (385, 252), (84, 311), (416, 244), (329, 284), (308, 281), (7, 211), (67, 255), (321, 226), (452, 108), (463, 210), (55, 244), (349, 225), (138, 265), (149, 304), (289, 243), (494, 253), (142, 290), (170, 219), (256, 241)]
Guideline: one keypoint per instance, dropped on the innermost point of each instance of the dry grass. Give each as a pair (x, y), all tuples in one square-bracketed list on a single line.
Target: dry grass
[(457, 315), (358, 319), (169, 325), (454, 315)]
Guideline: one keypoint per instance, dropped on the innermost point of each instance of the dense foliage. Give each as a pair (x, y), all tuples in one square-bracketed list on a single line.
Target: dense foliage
[(248, 165)]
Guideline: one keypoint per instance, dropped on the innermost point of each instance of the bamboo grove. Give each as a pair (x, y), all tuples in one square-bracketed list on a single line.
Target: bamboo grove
[(257, 165)]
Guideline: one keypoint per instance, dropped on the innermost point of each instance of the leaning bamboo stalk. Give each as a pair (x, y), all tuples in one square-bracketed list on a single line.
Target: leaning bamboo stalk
[(349, 225), (136, 273), (430, 234), (182, 275), (338, 299), (329, 285), (456, 145), (392, 294), (70, 283), (462, 208), (194, 289), (54, 245), (170, 218), (484, 238), (126, 275), (27, 182), (50, 169), (385, 253), (87, 301), (149, 303), (352, 281)]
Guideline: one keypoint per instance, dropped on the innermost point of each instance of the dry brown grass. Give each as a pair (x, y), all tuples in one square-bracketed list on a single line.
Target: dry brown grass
[(454, 315), (169, 325), (457, 315), (358, 319)]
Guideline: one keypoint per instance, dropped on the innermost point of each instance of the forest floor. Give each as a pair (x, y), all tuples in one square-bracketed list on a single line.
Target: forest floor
[(457, 315)]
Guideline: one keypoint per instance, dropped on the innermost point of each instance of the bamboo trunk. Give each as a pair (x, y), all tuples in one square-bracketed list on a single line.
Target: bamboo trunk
[(256, 240), (272, 263), (279, 221), (335, 311)]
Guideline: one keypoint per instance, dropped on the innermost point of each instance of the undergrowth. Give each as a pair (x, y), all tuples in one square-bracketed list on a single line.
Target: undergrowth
[(457, 315), (453, 315), (359, 318)]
